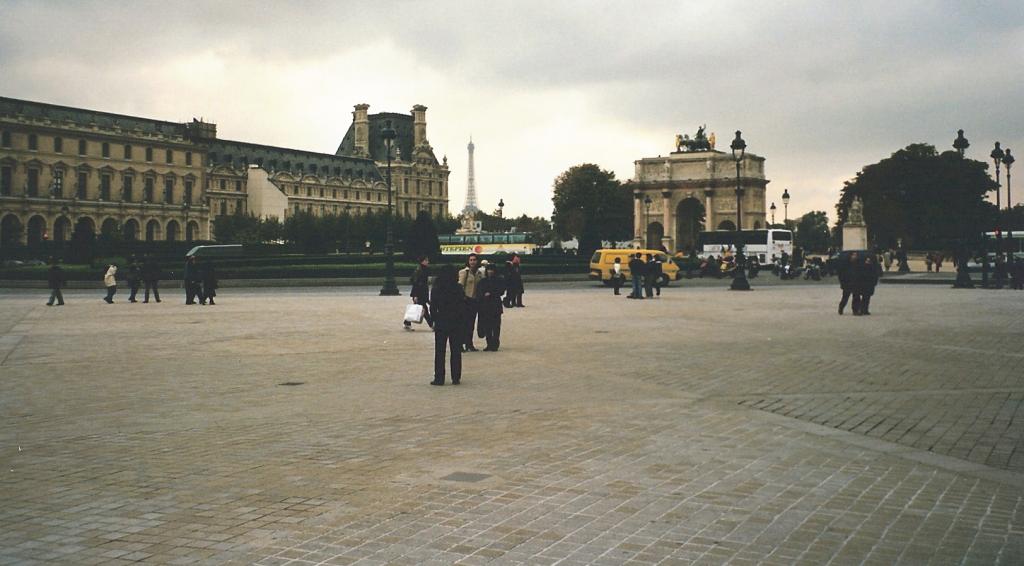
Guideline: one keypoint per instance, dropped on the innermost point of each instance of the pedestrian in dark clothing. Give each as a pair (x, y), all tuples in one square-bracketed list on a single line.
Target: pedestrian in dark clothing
[(55, 279), (848, 271), (448, 311), (649, 277), (1000, 272), (514, 284), (420, 292), (192, 281), (110, 282), (151, 278), (654, 272), (491, 288), (869, 274), (132, 276), (1017, 273), (209, 277), (636, 272)]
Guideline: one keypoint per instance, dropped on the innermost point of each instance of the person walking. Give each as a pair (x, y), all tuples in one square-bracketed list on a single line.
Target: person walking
[(110, 282), (514, 282), (209, 279), (448, 310), (420, 292), (191, 280), (55, 280), (938, 261), (636, 273), (151, 278), (132, 276), (928, 260), (887, 257), (469, 276), (649, 277), (491, 288), (654, 272), (846, 272), (869, 274), (617, 276)]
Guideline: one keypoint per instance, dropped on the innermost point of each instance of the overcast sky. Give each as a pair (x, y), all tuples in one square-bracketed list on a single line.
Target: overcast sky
[(818, 88)]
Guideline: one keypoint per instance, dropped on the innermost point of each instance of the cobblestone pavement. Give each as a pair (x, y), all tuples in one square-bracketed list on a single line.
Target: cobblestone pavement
[(704, 427)]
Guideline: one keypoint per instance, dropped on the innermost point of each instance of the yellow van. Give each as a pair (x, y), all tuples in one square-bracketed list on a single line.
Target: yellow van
[(602, 260)]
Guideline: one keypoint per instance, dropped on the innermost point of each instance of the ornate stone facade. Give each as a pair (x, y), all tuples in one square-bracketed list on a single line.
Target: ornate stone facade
[(64, 168), (688, 185)]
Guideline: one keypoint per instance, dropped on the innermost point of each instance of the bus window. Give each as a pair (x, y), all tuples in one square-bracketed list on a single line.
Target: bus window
[(781, 235)]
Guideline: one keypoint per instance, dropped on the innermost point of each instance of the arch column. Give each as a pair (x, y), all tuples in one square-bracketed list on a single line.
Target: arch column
[(709, 211), (639, 229), (666, 220)]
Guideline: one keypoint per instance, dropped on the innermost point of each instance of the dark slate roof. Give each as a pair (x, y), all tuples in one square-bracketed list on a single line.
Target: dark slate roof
[(401, 123), (274, 158), (106, 120)]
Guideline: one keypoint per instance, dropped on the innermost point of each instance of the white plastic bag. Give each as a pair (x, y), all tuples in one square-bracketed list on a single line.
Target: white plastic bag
[(414, 313)]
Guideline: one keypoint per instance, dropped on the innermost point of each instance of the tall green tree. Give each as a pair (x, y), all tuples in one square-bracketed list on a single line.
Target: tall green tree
[(422, 239), (925, 198), (812, 232), (590, 204)]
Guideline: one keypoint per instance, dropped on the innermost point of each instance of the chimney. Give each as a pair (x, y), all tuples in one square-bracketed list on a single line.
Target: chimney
[(361, 120), (419, 125)]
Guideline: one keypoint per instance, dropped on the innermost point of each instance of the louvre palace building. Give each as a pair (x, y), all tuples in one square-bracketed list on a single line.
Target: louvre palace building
[(63, 169)]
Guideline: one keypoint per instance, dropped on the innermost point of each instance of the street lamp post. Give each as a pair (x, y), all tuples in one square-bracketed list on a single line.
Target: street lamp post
[(739, 280), (389, 288), (785, 205), (647, 221), (348, 225), (773, 209), (184, 209), (1008, 161), (997, 157), (501, 208)]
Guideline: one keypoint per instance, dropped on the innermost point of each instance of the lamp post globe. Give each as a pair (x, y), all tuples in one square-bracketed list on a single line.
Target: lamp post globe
[(785, 205), (773, 208), (739, 280), (997, 158), (389, 288)]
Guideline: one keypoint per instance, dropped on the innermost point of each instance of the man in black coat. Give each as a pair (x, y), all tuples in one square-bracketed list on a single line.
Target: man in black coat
[(151, 278), (868, 280), (491, 288), (192, 281), (133, 275), (848, 272), (636, 273), (209, 277), (55, 279)]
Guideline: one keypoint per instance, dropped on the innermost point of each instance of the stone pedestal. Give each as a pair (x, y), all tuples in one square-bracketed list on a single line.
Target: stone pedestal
[(855, 236)]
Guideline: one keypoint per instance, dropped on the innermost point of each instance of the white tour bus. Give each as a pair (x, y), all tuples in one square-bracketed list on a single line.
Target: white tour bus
[(761, 243)]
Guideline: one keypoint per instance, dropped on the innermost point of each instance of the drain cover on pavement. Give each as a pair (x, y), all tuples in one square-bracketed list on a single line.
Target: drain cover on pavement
[(290, 383), (466, 477)]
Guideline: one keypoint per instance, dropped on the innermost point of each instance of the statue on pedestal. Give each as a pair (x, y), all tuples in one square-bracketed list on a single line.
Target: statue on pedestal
[(855, 232)]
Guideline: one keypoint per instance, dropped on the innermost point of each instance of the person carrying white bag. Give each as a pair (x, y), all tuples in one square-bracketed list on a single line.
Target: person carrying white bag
[(420, 294)]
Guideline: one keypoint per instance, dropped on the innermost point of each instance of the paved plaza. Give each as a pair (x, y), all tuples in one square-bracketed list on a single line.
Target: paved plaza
[(297, 426)]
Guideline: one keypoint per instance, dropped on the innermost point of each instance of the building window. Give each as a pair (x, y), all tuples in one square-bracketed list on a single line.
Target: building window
[(33, 182), (405, 186), (380, 197), (344, 194), (309, 191), (33, 142), (104, 187), (296, 208), (5, 138), (238, 186), (170, 156), (6, 180), (126, 190), (188, 192), (127, 152), (82, 147), (81, 188), (430, 188), (223, 207), (334, 194), (405, 206), (147, 190), (149, 154), (105, 149), (357, 195), (321, 192), (58, 183), (169, 190), (188, 158), (58, 145)]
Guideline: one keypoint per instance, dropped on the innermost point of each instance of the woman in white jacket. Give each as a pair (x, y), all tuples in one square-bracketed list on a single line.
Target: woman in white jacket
[(110, 281)]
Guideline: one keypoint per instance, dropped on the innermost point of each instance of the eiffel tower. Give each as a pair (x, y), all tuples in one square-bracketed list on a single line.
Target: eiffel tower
[(470, 208)]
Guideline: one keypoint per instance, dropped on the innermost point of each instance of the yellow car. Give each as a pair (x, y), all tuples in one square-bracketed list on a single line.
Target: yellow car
[(602, 260)]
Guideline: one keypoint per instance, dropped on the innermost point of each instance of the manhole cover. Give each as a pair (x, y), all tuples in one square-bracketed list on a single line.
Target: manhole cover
[(466, 477), (292, 383), (602, 331)]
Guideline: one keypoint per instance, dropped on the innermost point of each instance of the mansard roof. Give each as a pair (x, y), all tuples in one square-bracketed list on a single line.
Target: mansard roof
[(401, 123), (13, 107), (252, 153)]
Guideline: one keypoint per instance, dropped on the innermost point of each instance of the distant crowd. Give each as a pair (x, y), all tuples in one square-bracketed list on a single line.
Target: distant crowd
[(199, 280)]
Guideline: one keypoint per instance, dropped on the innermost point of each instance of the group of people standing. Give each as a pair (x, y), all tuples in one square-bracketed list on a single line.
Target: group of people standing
[(858, 277), (463, 300), (200, 281), (647, 276)]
